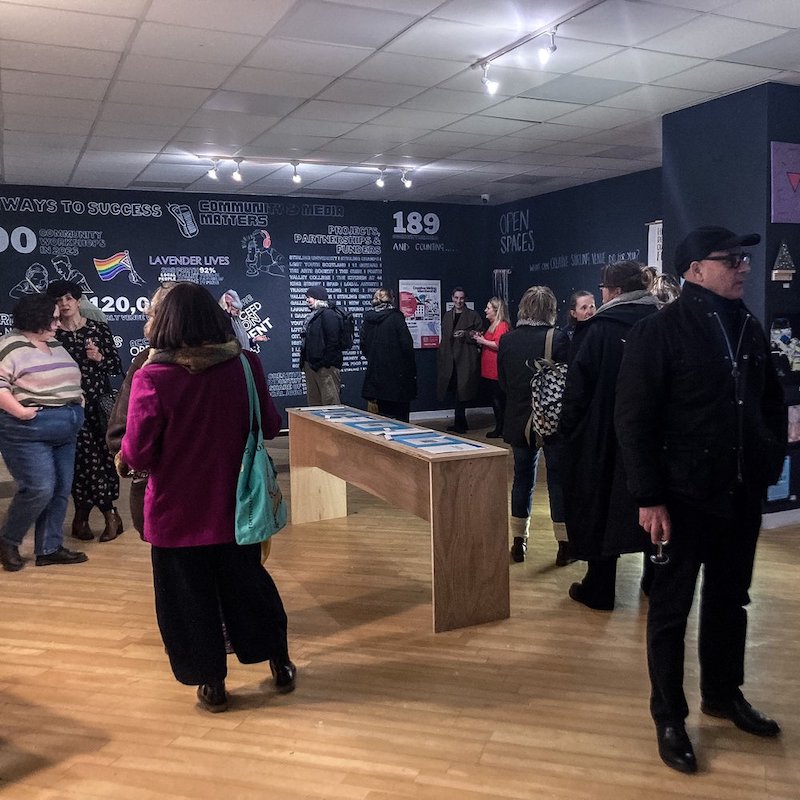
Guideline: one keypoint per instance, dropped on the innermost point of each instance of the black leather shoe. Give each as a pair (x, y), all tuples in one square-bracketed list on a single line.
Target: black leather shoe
[(457, 428), (9, 556), (743, 716), (213, 697), (579, 594), (284, 673), (494, 434), (61, 556), (675, 748)]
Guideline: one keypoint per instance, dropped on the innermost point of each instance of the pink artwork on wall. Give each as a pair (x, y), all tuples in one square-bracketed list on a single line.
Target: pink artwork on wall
[(785, 182)]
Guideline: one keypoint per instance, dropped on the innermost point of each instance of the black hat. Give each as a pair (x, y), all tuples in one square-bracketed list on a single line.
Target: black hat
[(702, 241), (317, 292)]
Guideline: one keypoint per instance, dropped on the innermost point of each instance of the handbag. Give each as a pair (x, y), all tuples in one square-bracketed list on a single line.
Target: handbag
[(105, 404), (260, 508)]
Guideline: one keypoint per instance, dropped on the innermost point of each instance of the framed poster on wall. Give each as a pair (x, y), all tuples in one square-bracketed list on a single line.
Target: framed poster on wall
[(421, 304)]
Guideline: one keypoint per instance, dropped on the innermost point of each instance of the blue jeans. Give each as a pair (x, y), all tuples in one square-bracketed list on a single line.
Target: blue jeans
[(526, 460), (40, 454)]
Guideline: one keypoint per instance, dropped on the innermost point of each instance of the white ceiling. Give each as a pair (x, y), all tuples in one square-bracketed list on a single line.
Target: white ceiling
[(129, 93)]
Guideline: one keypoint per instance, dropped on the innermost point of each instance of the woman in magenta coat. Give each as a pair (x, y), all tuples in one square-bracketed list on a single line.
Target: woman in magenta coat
[(188, 420)]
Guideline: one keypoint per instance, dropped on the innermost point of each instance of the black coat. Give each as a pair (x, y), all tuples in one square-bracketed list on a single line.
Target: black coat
[(322, 340), (687, 428), (524, 343), (389, 349), (602, 518), (460, 353)]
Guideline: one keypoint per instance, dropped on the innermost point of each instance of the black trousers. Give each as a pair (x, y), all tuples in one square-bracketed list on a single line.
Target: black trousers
[(196, 588), (725, 547), (498, 399), (394, 409)]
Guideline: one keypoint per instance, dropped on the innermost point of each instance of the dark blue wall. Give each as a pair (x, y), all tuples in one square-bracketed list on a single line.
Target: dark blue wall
[(561, 240)]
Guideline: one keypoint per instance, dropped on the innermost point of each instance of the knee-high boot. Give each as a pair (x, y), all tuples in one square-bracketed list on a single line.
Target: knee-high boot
[(80, 524), (113, 527), (519, 530)]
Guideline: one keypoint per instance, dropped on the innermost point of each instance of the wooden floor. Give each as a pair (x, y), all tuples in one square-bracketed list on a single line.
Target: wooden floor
[(551, 703)]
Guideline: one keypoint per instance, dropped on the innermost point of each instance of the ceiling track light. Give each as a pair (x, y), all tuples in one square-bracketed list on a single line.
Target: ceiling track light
[(546, 52), (212, 173), (380, 183), (490, 85), (296, 176), (405, 180), (237, 173)]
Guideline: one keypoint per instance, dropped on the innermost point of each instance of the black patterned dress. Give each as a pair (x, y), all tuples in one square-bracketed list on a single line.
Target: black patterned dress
[(96, 482)]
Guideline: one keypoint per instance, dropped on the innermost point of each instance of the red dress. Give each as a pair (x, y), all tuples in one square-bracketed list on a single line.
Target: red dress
[(489, 356)]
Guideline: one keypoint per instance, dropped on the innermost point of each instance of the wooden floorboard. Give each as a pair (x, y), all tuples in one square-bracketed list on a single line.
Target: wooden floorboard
[(551, 703)]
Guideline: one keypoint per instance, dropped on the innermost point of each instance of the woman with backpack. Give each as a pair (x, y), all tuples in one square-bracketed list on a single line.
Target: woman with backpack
[(536, 317), (602, 518)]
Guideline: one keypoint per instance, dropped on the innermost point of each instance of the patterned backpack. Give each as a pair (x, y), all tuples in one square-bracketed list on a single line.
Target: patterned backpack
[(547, 391)]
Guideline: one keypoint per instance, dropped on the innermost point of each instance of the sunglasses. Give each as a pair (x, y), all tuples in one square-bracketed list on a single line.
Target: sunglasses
[(732, 260)]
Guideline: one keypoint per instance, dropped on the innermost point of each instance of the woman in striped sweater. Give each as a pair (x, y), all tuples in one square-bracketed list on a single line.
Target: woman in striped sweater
[(41, 412)]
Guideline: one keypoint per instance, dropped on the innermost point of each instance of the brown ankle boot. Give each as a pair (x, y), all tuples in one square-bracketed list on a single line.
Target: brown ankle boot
[(80, 524), (113, 527)]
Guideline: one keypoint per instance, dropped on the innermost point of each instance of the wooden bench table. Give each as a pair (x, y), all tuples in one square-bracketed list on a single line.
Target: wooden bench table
[(463, 494)]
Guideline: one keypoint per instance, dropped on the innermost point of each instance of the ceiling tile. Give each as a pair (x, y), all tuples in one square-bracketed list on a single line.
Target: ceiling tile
[(624, 22), (126, 145), (527, 109), (132, 130), (510, 15), (311, 127), (331, 23), (161, 95), (54, 141), (784, 13), (450, 101), (575, 89), (37, 83), (46, 124), (717, 76), (237, 16), (276, 82), (71, 29), (115, 8), (451, 40), (58, 60), (512, 81), (249, 103), (170, 71), (178, 42), (782, 52), (337, 112), (346, 90), (642, 66), (490, 126), (150, 115), (602, 117), (411, 118), (308, 57), (411, 70), (657, 99), (386, 134), (713, 37), (53, 107)]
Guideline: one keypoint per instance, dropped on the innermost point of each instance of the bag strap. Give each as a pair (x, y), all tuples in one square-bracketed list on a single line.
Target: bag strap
[(548, 344), (252, 396)]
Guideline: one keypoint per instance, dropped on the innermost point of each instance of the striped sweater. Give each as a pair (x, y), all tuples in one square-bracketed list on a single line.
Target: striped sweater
[(36, 378)]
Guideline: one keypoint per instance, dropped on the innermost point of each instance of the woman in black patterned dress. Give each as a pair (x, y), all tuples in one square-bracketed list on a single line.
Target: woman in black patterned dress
[(91, 344)]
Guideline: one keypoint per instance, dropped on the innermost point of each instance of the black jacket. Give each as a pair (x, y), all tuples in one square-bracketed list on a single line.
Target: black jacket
[(322, 340), (524, 343), (689, 428), (387, 345), (602, 518)]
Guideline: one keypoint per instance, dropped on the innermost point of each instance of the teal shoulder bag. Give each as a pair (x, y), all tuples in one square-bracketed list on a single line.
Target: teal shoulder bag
[(260, 508)]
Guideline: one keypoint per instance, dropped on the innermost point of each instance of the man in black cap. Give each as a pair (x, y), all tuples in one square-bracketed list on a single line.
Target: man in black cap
[(701, 424), (321, 351)]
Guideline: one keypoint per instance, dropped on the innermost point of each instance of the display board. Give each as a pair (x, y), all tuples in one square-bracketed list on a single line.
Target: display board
[(119, 245)]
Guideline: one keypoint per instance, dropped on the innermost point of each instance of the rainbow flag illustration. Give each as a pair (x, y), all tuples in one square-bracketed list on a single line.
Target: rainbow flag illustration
[(108, 268)]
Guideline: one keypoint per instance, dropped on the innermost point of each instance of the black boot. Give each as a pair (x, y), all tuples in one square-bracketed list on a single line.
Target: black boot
[(9, 556), (284, 673), (564, 555), (518, 550)]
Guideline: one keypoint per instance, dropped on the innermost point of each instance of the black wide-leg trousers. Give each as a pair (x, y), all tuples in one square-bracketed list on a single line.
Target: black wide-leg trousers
[(196, 588)]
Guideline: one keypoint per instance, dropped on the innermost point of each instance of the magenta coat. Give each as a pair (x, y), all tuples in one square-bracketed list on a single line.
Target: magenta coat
[(189, 431)]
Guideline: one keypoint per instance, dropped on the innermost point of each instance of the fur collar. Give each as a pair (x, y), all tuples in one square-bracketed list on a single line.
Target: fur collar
[(196, 359)]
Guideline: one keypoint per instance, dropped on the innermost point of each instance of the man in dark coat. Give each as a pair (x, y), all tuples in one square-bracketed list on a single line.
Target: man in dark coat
[(602, 517), (321, 352), (702, 428), (459, 359), (391, 376)]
